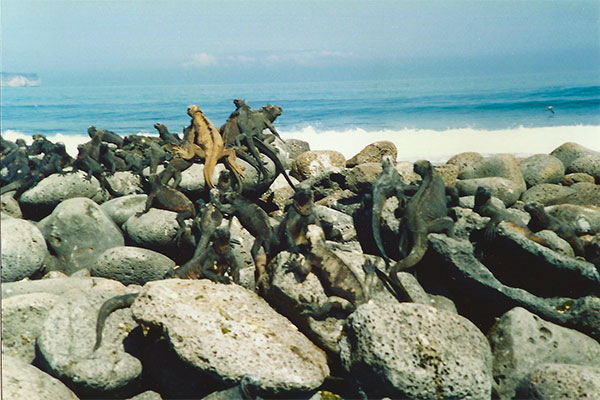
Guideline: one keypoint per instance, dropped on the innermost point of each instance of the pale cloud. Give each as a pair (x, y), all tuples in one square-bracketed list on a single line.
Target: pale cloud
[(201, 60)]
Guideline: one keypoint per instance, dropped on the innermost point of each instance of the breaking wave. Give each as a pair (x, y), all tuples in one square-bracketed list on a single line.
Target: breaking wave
[(19, 80)]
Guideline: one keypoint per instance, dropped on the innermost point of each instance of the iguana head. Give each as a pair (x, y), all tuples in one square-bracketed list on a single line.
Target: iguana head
[(482, 195), (303, 201), (422, 167), (271, 111), (534, 208), (193, 109)]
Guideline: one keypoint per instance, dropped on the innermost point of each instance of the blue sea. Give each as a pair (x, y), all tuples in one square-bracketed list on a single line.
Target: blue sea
[(431, 118)]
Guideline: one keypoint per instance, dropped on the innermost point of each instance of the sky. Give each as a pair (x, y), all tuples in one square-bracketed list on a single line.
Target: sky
[(240, 41)]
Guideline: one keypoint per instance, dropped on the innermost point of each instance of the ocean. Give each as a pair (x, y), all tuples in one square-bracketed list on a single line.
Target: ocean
[(427, 118)]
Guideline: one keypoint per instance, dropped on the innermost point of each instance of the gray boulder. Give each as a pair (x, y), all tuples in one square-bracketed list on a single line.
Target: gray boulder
[(583, 193), (499, 165), (120, 209), (339, 220), (78, 231), (522, 340), (373, 153), (569, 152), (519, 262), (147, 395), (541, 168), (564, 381), (576, 177), (230, 332), (505, 189), (312, 163), (132, 265), (156, 229), (556, 243), (407, 350), (468, 221), (588, 165), (545, 193), (21, 380), (58, 285), (109, 371), (295, 147), (451, 267), (465, 162), (448, 173), (125, 183), (9, 206), (22, 320), (23, 249), (585, 220), (50, 191), (361, 177)]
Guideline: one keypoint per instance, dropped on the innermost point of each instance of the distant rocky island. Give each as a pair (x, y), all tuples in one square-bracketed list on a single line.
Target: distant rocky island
[(19, 79)]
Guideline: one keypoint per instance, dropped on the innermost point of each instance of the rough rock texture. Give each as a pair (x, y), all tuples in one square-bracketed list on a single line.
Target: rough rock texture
[(78, 232), (132, 265), (231, 332), (155, 229), (284, 296), (295, 147), (122, 208), (20, 380), (564, 381), (521, 340), (109, 370), (505, 189), (498, 165), (315, 162), (541, 168), (583, 193), (373, 153), (576, 177), (467, 222), (339, 220), (449, 174), (9, 206), (58, 286), (147, 395), (585, 220), (556, 243), (22, 320), (360, 178), (280, 192), (125, 183), (416, 351), (587, 164), (407, 173), (41, 199), (569, 152), (450, 268), (23, 249), (544, 193)]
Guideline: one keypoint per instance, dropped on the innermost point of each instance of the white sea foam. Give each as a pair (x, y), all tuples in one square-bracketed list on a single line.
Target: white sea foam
[(439, 146), (414, 144)]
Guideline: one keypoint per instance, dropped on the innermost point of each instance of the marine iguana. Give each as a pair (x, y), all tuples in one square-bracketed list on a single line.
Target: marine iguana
[(540, 220), (425, 212), (254, 219), (388, 183), (40, 145), (337, 278), (247, 125), (133, 162), (166, 136), (155, 155), (108, 158), (105, 136), (485, 208), (86, 163), (203, 140), (167, 198)]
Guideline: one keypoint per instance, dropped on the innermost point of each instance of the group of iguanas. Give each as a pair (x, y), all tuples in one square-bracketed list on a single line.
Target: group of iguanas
[(422, 209)]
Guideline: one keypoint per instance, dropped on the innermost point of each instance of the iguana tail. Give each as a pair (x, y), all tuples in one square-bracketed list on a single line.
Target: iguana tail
[(378, 202), (110, 305), (416, 254), (278, 166)]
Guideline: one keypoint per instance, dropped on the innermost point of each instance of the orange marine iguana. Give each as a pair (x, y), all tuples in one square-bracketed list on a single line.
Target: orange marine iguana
[(203, 140)]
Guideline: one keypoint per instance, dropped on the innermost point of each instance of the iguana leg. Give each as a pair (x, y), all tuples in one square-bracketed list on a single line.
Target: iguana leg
[(231, 159), (441, 225)]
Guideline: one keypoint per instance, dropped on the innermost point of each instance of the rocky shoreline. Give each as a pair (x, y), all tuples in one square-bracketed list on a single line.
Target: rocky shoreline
[(507, 318)]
